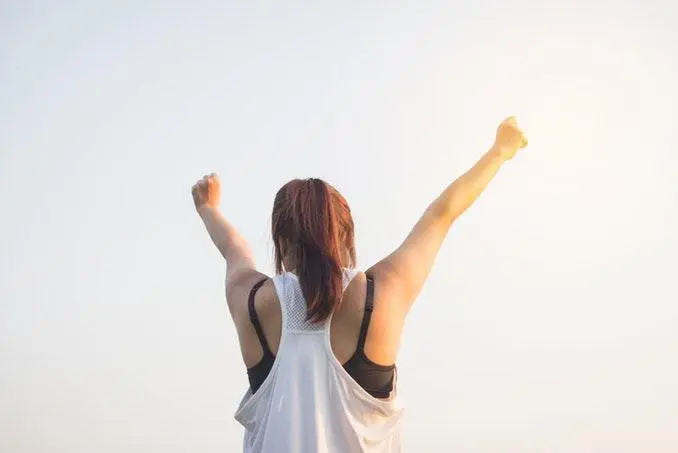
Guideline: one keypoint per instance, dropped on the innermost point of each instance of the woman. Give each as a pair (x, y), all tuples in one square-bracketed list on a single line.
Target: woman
[(320, 339)]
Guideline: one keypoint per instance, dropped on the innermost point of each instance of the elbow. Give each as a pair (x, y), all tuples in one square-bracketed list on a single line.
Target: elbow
[(445, 210)]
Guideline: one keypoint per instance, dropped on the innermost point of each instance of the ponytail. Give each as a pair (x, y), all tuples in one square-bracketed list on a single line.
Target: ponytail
[(313, 218)]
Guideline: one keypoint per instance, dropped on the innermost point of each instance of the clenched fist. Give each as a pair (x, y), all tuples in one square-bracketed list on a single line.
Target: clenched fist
[(207, 192), (509, 138)]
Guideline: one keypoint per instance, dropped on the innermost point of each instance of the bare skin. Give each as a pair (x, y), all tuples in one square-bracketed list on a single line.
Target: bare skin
[(399, 277)]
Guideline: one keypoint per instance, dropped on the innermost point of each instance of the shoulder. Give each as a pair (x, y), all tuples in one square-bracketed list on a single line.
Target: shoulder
[(356, 288), (238, 288), (352, 306)]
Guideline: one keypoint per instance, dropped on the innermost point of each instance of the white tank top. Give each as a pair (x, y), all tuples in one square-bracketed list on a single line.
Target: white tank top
[(309, 403)]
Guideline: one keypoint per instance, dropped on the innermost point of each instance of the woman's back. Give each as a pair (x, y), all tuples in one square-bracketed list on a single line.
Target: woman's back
[(382, 333), (309, 402)]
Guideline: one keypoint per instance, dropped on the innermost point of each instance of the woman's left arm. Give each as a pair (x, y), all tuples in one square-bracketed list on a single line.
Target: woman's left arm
[(232, 246)]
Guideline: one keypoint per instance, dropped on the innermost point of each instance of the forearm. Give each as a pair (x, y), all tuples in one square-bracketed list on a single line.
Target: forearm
[(461, 194), (226, 238)]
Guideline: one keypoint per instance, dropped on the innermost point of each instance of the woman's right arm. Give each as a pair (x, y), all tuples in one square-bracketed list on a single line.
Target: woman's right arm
[(402, 274)]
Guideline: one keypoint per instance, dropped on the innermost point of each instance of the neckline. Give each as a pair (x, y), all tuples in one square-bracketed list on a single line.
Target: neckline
[(345, 270)]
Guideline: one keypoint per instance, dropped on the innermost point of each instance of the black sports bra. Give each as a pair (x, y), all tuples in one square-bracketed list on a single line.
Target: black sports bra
[(376, 379)]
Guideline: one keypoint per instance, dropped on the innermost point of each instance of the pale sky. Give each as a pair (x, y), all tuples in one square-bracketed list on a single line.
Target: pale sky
[(550, 321)]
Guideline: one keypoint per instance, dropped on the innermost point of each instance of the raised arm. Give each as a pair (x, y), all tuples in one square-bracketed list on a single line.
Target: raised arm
[(404, 271), (231, 245)]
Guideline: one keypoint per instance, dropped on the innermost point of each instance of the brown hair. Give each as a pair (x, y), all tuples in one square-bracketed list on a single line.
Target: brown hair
[(312, 225)]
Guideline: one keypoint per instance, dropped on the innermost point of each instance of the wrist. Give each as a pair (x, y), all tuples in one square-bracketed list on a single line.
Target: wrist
[(206, 209), (499, 152)]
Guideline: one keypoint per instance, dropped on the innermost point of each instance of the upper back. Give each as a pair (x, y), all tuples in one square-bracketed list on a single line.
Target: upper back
[(309, 402), (383, 337)]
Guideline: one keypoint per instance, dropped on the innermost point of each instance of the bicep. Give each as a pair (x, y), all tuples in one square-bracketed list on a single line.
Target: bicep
[(239, 258), (405, 270)]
